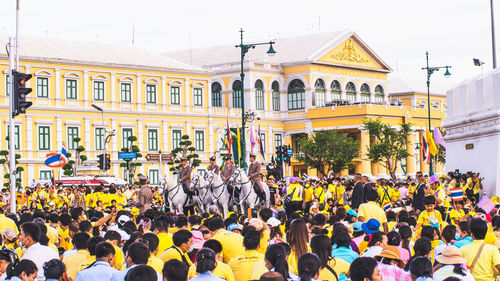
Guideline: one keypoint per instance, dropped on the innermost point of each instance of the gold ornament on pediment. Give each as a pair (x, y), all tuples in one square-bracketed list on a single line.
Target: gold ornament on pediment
[(349, 53)]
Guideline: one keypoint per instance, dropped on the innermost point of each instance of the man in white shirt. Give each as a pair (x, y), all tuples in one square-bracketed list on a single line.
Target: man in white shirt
[(137, 253), (102, 269), (39, 254)]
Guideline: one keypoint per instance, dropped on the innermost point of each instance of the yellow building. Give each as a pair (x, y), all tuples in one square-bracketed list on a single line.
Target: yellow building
[(314, 82)]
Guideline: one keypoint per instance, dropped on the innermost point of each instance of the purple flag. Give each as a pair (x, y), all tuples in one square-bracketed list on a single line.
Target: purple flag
[(486, 204), (252, 137), (438, 137)]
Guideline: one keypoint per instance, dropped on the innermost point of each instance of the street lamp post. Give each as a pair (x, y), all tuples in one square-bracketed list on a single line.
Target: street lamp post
[(244, 116), (430, 70)]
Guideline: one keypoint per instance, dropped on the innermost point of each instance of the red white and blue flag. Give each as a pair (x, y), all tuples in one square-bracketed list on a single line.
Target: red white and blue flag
[(457, 194), (387, 207)]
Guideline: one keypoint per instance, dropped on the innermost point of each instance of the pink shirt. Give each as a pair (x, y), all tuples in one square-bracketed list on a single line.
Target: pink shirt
[(393, 272)]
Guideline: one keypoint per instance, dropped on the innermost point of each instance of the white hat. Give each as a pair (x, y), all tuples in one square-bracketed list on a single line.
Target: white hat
[(273, 222), (123, 219)]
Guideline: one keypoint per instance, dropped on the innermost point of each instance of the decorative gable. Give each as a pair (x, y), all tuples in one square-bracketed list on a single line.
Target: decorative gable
[(354, 53)]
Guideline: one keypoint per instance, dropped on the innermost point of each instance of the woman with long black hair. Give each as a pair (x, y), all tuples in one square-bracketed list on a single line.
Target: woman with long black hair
[(25, 270), (276, 260), (309, 266), (331, 267)]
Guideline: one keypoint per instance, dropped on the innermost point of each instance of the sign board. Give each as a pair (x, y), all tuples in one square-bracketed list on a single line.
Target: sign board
[(289, 152), (153, 157), (166, 157), (127, 155), (469, 146)]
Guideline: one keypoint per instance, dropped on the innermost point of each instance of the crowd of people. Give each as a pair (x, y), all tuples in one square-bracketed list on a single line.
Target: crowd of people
[(316, 229)]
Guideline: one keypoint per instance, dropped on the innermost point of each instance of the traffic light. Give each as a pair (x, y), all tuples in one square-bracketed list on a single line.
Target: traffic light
[(278, 155), (100, 161), (20, 93), (107, 162)]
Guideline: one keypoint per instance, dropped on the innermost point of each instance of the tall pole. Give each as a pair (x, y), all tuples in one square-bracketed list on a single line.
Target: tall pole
[(17, 35), (242, 133), (493, 48), (12, 155), (431, 166), (103, 139)]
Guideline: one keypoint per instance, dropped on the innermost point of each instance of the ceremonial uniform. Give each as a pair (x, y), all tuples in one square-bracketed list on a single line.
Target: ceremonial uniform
[(228, 171), (254, 174), (185, 177)]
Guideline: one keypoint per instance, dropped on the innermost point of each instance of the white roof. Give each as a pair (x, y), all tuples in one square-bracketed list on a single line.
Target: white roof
[(396, 85), (81, 52), (299, 49)]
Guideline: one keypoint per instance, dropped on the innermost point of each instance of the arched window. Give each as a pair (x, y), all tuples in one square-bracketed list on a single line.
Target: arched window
[(216, 96), (336, 90), (379, 94), (259, 95), (319, 93), (296, 95), (350, 91), (237, 94), (365, 93), (276, 95)]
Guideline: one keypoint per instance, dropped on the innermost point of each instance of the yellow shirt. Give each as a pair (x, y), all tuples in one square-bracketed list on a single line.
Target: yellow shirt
[(242, 265), (337, 192), (155, 263), (264, 240), (319, 194), (456, 214), (174, 253), (87, 263), (384, 194), (221, 270), (483, 270), (338, 265), (232, 244), (119, 258), (308, 194), (74, 262), (475, 187), (425, 218), (6, 222), (65, 242), (297, 190), (165, 242), (371, 210), (293, 260)]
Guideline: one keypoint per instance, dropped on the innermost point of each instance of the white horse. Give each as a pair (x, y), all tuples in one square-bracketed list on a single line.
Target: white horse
[(203, 199), (220, 194), (248, 197), (175, 195)]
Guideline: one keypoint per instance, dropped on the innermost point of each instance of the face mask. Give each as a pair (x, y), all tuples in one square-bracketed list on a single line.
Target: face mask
[(21, 244), (457, 237), (191, 249)]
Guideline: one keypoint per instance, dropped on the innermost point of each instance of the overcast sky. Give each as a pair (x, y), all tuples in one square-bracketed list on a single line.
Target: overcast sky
[(399, 31)]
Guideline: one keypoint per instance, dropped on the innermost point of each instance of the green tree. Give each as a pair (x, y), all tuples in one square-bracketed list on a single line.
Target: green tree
[(71, 167), (388, 144), (331, 149), (131, 164), (5, 162), (185, 150)]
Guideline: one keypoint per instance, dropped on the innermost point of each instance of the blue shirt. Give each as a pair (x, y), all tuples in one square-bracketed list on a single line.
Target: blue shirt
[(100, 271), (465, 241), (207, 276), (345, 253), (120, 275)]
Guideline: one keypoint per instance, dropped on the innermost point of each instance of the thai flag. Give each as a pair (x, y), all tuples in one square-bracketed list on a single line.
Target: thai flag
[(457, 194), (313, 185), (304, 176), (64, 151), (387, 207), (53, 179)]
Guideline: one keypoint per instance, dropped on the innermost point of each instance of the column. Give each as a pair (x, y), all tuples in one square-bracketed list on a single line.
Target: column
[(163, 93), (31, 172), (139, 93), (112, 82), (211, 136), (86, 124), (29, 136), (86, 88), (410, 160), (57, 76), (166, 135), (59, 138), (140, 135), (365, 143)]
